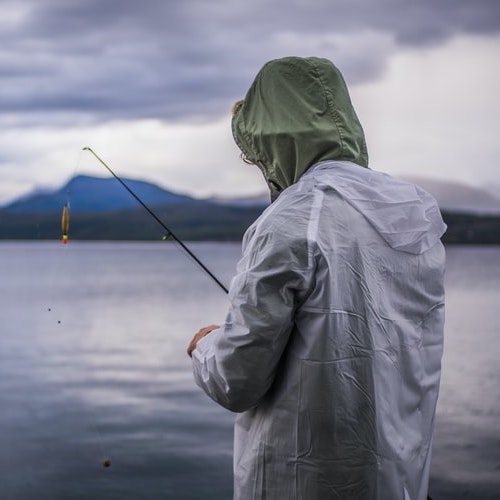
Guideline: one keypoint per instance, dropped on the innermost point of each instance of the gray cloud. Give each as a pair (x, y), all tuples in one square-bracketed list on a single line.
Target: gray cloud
[(97, 60)]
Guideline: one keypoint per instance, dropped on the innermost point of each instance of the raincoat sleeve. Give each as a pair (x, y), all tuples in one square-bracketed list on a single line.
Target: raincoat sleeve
[(236, 365)]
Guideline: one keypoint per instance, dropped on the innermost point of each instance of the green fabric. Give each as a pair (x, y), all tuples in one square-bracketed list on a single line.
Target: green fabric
[(297, 113)]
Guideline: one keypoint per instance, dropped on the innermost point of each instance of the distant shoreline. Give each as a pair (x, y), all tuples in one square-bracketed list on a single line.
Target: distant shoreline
[(214, 223)]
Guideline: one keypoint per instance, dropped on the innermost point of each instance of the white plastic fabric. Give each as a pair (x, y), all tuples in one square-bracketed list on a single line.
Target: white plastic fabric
[(332, 345)]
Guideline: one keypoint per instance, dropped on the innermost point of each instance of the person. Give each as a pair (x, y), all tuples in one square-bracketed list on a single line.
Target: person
[(331, 349)]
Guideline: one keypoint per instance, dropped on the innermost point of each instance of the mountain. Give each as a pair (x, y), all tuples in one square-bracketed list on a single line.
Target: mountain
[(95, 194), (456, 197), (248, 201), (494, 189)]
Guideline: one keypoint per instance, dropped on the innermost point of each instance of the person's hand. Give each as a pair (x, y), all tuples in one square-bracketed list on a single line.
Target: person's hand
[(204, 331)]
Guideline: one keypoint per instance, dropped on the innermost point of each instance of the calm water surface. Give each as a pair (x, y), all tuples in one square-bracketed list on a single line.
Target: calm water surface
[(93, 367)]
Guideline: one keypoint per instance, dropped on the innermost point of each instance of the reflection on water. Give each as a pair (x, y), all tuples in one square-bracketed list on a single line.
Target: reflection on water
[(466, 456), (93, 367)]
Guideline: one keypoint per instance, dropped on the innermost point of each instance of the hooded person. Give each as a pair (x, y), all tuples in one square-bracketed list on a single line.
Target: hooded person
[(331, 349)]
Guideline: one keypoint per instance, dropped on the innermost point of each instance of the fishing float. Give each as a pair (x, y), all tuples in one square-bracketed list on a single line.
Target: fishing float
[(65, 223)]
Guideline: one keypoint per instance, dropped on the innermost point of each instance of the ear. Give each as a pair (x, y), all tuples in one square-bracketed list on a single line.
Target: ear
[(237, 106)]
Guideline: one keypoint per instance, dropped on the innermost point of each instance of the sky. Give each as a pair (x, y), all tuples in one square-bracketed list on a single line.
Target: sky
[(149, 86)]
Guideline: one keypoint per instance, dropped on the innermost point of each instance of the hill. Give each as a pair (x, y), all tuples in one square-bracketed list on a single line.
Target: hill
[(460, 198)]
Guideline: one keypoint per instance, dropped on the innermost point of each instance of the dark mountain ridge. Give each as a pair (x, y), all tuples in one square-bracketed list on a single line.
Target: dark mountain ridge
[(95, 194)]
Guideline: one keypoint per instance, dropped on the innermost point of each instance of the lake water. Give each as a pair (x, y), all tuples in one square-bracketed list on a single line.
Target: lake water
[(93, 368)]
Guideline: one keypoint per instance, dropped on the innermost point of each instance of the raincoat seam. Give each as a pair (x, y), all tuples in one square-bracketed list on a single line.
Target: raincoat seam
[(320, 310), (249, 148), (236, 133), (313, 225), (331, 109)]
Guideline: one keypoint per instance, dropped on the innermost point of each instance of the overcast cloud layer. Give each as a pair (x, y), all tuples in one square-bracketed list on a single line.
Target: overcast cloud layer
[(87, 68)]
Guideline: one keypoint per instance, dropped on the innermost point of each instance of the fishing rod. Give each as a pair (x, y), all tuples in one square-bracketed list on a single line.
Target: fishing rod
[(157, 219)]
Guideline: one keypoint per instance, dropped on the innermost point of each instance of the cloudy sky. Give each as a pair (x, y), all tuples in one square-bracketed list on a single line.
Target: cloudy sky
[(149, 85)]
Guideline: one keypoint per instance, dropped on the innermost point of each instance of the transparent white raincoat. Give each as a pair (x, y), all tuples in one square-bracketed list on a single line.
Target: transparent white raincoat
[(332, 346)]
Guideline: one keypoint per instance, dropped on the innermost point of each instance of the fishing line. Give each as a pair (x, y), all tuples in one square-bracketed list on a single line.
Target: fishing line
[(65, 220), (53, 308), (157, 219)]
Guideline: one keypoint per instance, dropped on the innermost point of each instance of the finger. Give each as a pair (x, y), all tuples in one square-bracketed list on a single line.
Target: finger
[(201, 333), (208, 329)]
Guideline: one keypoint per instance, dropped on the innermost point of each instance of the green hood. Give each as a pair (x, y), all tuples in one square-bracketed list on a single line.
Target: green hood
[(297, 113)]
